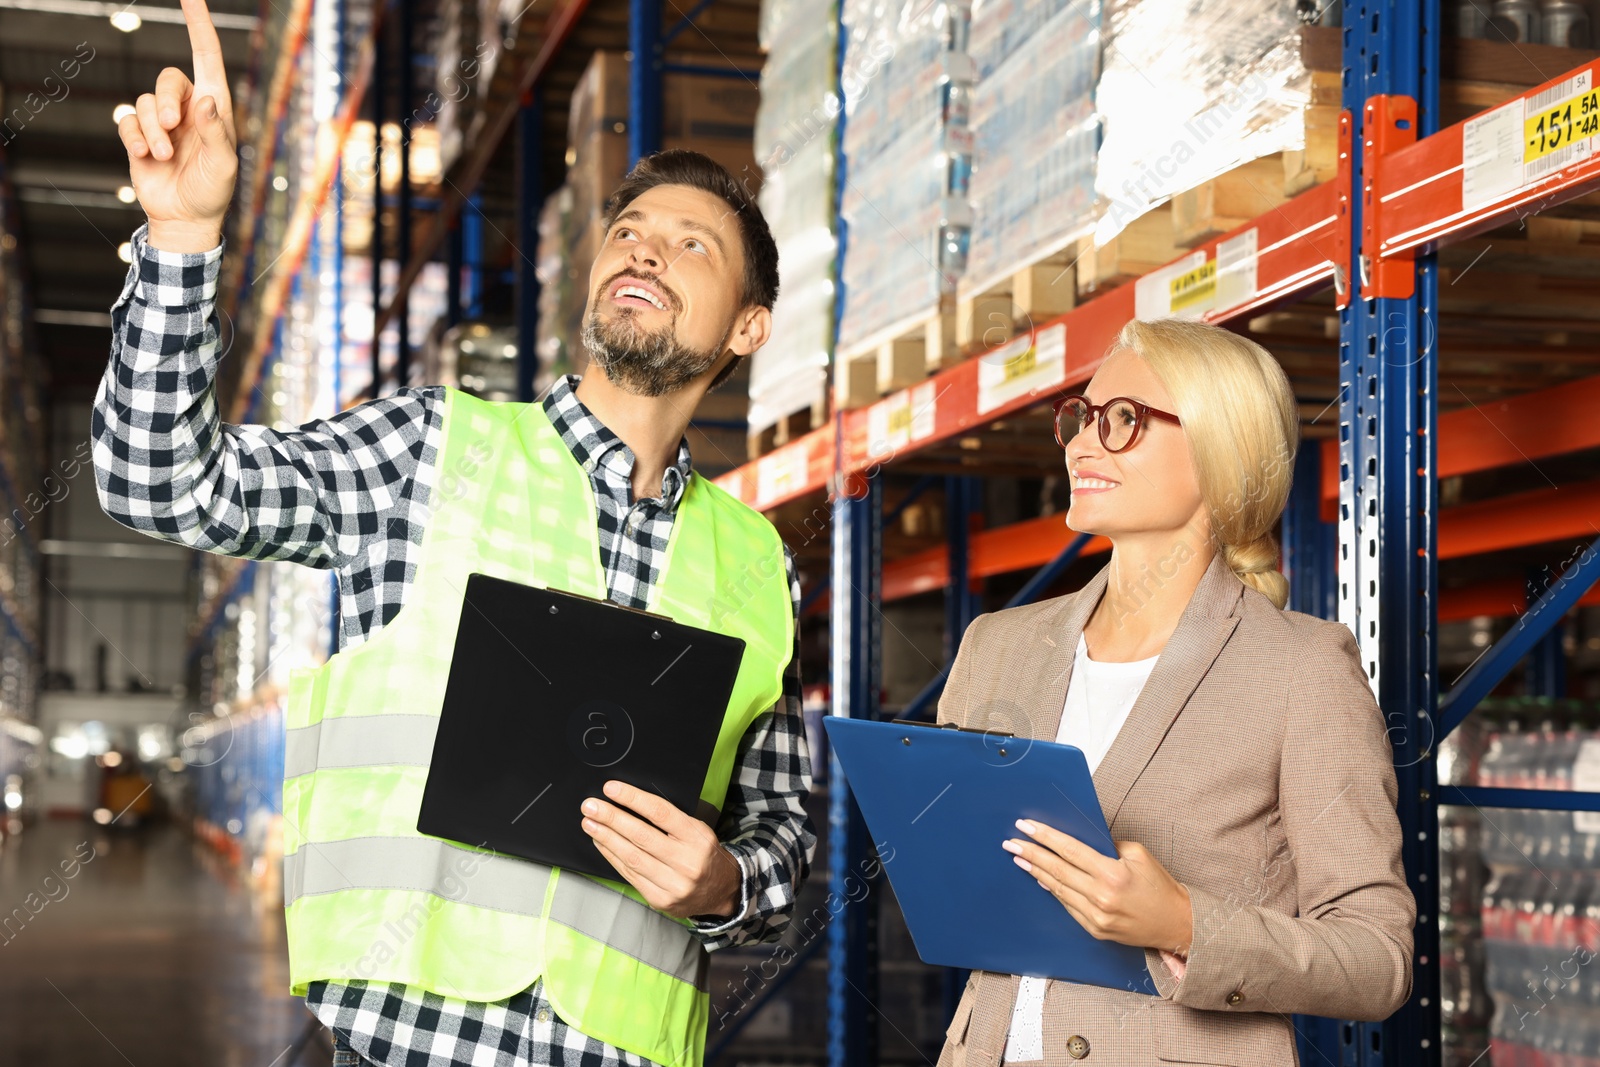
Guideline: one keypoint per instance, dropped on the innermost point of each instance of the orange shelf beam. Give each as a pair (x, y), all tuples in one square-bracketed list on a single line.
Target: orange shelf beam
[(1468, 178), (1502, 597), (1507, 522), (1530, 518), (1519, 429), (1290, 253)]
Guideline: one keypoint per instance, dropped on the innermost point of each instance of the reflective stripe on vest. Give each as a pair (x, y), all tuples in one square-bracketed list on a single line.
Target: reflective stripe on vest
[(419, 864), (360, 741), (502, 883), (630, 927), (367, 896)]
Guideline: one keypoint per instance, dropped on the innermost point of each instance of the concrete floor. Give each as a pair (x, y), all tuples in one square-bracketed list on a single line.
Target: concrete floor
[(153, 953)]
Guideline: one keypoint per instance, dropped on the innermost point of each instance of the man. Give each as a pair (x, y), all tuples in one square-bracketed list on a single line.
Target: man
[(412, 950)]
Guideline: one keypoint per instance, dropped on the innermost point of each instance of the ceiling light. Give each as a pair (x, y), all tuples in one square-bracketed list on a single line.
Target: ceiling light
[(280, 183), (126, 194), (126, 21), (122, 111), (125, 252)]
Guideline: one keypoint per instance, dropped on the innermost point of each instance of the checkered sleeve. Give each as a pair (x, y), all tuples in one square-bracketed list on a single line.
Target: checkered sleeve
[(765, 825), (167, 465)]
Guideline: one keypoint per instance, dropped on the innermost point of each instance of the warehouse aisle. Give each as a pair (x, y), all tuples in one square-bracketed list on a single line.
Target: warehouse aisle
[(138, 949)]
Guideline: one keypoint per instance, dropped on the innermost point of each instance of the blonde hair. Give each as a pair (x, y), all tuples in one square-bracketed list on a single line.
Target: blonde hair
[(1239, 414)]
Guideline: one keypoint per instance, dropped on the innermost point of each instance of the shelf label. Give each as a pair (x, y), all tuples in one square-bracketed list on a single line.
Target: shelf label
[(1152, 294), (1022, 368), (779, 473), (1518, 143), (1238, 277), (924, 406), (889, 426), (1559, 124), (896, 421), (1194, 286)]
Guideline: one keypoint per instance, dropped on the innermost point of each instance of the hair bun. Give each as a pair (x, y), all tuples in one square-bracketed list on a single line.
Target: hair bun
[(1252, 557)]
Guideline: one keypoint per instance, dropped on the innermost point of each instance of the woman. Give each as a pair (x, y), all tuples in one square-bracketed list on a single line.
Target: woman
[(1238, 753)]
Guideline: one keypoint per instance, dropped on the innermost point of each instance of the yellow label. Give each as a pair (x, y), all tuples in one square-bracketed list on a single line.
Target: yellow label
[(1576, 118), (900, 419), (1021, 363), (1193, 286)]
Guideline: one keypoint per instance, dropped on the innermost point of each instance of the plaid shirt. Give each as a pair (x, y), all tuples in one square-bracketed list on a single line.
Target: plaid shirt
[(349, 494)]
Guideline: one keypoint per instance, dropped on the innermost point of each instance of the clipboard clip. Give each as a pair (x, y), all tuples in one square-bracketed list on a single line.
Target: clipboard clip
[(612, 604), (952, 726)]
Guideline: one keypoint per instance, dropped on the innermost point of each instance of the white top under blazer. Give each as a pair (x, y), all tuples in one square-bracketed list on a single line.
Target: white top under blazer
[(1099, 697)]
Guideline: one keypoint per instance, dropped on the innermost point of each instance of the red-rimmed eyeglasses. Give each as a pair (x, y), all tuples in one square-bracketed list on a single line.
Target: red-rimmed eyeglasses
[(1119, 419)]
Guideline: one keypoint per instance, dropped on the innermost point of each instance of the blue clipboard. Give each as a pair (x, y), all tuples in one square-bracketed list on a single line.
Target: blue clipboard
[(939, 801)]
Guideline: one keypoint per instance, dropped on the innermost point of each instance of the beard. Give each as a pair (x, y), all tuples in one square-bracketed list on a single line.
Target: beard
[(640, 361)]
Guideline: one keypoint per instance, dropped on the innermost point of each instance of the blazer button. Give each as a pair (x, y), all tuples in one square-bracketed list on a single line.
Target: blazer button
[(1077, 1047), (1235, 998)]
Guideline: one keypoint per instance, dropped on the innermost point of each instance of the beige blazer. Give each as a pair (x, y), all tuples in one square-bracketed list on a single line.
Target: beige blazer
[(1255, 766)]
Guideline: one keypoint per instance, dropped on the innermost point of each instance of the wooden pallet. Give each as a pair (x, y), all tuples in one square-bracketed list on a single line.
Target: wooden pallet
[(1318, 161), (793, 425), (1228, 201), (990, 314), (897, 357), (986, 313), (1144, 244), (1476, 74)]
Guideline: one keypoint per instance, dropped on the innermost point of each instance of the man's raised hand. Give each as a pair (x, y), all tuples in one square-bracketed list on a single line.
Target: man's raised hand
[(181, 145)]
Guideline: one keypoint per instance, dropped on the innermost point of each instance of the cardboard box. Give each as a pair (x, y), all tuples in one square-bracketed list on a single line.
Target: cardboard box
[(704, 113)]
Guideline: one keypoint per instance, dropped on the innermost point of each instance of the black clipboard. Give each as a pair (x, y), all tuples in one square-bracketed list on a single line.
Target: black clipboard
[(550, 695)]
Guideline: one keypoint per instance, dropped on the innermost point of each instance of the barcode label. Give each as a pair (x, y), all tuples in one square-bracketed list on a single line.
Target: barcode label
[(1523, 142), (1538, 168), (1578, 83)]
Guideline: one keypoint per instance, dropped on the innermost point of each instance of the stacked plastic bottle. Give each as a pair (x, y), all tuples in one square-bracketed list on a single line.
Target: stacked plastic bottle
[(1464, 1004), (907, 147), (1540, 908), (797, 148), (1034, 127)]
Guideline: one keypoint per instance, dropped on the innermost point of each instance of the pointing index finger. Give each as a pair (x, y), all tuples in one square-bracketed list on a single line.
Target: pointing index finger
[(210, 77)]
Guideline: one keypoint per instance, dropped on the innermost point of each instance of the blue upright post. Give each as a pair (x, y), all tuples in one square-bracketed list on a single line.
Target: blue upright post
[(853, 933), (644, 85), (472, 252), (337, 311), (1310, 545), (1547, 662), (402, 250), (379, 73), (963, 496), (1388, 492), (856, 583), (530, 197), (452, 281)]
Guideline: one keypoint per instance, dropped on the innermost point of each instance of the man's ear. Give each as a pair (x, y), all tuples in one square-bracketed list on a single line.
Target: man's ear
[(750, 330)]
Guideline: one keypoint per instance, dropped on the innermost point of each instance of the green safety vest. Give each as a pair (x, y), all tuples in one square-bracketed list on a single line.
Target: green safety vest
[(366, 895)]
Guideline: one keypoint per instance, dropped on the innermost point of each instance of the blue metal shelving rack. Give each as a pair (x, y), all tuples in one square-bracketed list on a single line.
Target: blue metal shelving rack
[(1384, 539)]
